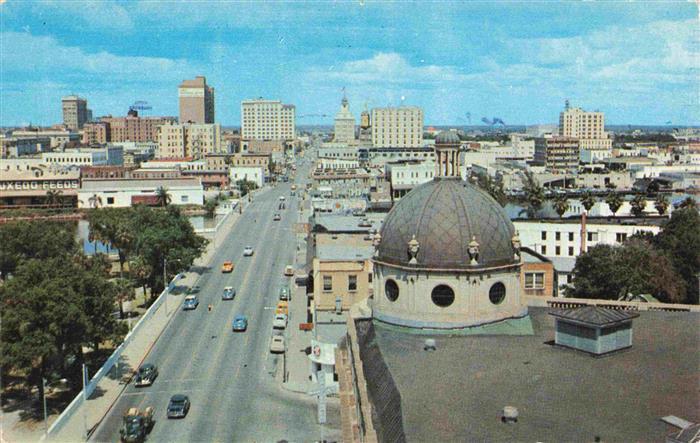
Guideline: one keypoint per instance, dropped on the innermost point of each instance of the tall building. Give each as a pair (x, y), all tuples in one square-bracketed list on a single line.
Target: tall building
[(588, 128), (189, 140), (133, 128), (196, 101), (267, 120), (75, 112), (397, 127), (344, 124), (559, 155), (96, 133), (365, 127)]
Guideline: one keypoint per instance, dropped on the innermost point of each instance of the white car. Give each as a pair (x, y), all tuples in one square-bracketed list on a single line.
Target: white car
[(248, 251), (280, 321), (277, 344)]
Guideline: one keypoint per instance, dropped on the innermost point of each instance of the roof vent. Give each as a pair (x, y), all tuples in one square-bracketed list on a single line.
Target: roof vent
[(430, 345), (509, 414)]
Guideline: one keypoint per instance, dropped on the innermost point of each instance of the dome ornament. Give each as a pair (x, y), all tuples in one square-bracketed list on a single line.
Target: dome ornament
[(515, 241), (473, 252), (413, 248), (376, 241)]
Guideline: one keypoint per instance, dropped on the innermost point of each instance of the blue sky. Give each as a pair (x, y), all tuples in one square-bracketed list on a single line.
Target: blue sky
[(639, 62)]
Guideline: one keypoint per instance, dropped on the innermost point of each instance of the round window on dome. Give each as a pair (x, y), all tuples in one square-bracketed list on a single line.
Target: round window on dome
[(443, 296), (391, 289), (497, 293)]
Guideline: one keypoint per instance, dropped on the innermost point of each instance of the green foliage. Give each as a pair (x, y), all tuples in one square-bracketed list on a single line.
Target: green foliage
[(163, 196), (210, 207), (689, 202), (588, 200), (638, 203), (534, 195), (246, 186), (53, 197), (680, 242), (494, 186), (614, 202), (41, 240), (661, 204), (561, 204)]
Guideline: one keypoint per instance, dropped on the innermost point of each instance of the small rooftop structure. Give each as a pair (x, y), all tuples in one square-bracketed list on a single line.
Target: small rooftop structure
[(593, 329)]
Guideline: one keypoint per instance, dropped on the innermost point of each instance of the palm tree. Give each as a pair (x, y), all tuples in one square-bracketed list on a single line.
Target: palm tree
[(661, 203), (534, 195), (561, 204), (95, 201), (125, 292), (588, 201), (139, 272), (638, 203), (53, 197), (614, 202), (162, 196), (689, 202)]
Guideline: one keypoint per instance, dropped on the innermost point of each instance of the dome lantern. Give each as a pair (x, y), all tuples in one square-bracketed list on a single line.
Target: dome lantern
[(447, 145)]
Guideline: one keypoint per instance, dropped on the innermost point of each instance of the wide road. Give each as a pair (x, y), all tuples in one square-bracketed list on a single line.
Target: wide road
[(228, 375)]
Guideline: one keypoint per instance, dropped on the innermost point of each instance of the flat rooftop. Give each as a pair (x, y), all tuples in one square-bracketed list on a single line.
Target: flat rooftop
[(457, 392)]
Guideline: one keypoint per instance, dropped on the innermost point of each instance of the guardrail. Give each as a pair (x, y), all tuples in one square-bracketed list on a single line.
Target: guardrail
[(111, 361), (564, 302)]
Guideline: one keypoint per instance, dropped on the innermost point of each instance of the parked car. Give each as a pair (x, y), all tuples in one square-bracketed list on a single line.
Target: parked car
[(191, 302), (240, 323), (280, 321), (289, 271), (248, 251), (227, 267), (284, 293), (229, 293), (277, 344), (277, 217), (179, 406), (146, 374), (193, 289)]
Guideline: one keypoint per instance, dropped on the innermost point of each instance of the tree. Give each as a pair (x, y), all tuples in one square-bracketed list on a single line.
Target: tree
[(561, 204), (680, 242), (111, 226), (614, 202), (661, 204), (163, 196), (638, 203), (139, 272), (588, 201), (689, 202), (246, 186), (95, 201), (53, 197), (124, 291), (534, 195), (210, 207), (494, 186)]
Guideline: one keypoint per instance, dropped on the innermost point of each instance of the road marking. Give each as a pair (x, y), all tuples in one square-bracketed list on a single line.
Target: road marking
[(146, 393)]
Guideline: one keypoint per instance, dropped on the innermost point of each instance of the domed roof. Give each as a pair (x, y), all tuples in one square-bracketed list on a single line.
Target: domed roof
[(445, 215), (447, 137)]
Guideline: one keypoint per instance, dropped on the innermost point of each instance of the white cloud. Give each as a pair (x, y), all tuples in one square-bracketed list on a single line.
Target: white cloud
[(109, 15)]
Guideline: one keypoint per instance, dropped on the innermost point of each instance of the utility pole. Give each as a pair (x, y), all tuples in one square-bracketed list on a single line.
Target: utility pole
[(46, 417)]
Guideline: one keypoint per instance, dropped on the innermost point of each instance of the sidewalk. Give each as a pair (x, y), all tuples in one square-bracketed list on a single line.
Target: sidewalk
[(88, 416)]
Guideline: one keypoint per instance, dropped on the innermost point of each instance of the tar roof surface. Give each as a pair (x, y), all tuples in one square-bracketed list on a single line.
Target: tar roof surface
[(457, 392)]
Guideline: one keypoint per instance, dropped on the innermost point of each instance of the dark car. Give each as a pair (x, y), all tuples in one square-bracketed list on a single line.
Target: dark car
[(179, 406), (277, 217), (193, 290), (240, 323), (146, 375)]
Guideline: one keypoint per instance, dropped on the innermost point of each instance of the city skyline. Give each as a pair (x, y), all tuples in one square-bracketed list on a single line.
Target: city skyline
[(460, 62)]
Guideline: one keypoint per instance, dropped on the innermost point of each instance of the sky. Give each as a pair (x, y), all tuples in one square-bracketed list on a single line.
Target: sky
[(639, 62)]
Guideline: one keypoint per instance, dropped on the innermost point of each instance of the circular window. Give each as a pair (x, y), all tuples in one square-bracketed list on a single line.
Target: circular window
[(391, 289), (443, 296), (497, 293)]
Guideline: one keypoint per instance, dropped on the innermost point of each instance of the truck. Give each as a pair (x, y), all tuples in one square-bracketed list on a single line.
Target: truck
[(136, 424)]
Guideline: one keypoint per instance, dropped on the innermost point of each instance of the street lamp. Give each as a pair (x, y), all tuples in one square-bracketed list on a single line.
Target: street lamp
[(44, 385)]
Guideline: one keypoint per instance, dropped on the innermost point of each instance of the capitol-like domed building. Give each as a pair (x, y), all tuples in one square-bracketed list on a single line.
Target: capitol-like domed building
[(447, 255)]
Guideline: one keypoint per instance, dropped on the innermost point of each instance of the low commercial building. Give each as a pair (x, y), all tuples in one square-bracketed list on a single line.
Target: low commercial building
[(28, 184), (342, 183), (59, 136), (377, 157), (12, 147), (133, 128), (96, 133), (120, 193), (85, 157), (557, 154), (251, 159), (406, 175), (255, 174), (537, 275)]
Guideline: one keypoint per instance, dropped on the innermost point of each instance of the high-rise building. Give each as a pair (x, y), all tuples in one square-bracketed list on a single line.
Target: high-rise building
[(397, 127), (75, 112), (559, 155), (267, 120), (196, 101), (189, 140), (365, 127), (344, 124), (588, 128), (133, 128)]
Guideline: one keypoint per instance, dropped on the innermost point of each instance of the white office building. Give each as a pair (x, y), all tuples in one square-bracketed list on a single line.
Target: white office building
[(397, 127), (344, 124), (255, 174), (267, 120), (121, 193)]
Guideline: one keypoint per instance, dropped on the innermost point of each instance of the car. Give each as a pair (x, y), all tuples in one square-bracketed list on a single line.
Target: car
[(289, 271), (280, 321), (193, 290), (146, 374), (240, 323), (282, 308), (277, 344), (248, 251), (227, 266), (277, 217), (191, 302), (179, 406), (229, 293), (284, 293)]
